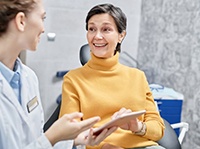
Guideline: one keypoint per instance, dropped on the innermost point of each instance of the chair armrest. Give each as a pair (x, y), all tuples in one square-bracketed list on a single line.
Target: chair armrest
[(184, 127), (60, 74)]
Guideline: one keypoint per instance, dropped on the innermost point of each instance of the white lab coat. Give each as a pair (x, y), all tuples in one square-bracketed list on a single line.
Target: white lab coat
[(20, 129)]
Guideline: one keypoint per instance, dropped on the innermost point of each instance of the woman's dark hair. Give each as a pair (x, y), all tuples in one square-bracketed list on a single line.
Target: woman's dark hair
[(115, 12), (10, 8)]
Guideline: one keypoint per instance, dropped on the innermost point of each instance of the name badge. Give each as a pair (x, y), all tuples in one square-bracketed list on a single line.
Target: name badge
[(32, 104)]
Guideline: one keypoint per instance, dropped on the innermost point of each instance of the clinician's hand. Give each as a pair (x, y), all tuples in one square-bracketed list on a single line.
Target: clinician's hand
[(91, 139), (67, 127)]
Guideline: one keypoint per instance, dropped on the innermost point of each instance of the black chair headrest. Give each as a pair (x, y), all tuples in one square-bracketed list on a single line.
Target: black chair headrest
[(84, 54)]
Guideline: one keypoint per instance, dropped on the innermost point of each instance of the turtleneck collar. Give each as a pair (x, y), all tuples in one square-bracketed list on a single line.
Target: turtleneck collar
[(103, 64)]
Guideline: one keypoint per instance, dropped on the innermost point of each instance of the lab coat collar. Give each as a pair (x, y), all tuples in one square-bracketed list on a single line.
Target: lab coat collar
[(10, 95), (24, 86), (7, 91)]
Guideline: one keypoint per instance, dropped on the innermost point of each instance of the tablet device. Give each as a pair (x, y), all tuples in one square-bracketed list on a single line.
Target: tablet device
[(118, 121)]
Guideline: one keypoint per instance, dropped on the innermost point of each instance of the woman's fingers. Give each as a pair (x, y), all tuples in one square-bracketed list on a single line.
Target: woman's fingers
[(110, 131), (121, 112), (95, 140)]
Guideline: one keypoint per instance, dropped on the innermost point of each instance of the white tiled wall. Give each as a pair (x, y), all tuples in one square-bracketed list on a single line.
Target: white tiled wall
[(66, 18)]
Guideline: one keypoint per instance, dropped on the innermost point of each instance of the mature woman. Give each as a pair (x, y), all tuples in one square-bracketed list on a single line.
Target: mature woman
[(21, 113), (106, 88)]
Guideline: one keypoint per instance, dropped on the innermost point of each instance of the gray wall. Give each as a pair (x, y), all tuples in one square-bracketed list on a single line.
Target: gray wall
[(66, 18), (169, 53)]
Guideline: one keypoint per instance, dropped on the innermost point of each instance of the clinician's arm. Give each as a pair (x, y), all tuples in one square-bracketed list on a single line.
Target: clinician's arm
[(64, 129), (68, 128)]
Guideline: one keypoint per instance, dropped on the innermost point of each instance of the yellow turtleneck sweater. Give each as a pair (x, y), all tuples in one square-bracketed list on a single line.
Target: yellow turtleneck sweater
[(103, 86)]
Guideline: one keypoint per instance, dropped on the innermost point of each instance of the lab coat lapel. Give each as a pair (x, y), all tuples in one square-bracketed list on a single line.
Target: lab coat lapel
[(11, 97), (8, 93), (24, 89)]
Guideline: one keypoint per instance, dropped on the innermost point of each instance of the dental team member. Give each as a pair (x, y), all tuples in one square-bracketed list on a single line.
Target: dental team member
[(21, 113)]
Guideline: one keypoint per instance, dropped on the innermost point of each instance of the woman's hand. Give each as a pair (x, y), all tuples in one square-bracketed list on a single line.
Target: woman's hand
[(67, 127), (92, 140), (133, 125)]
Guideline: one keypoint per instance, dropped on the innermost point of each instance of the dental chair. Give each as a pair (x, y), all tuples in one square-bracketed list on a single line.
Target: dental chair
[(170, 140)]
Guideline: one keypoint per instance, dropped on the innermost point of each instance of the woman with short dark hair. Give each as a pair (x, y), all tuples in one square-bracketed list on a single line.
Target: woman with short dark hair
[(105, 87)]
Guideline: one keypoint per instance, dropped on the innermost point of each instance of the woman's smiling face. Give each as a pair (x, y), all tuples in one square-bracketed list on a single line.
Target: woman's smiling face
[(102, 35)]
